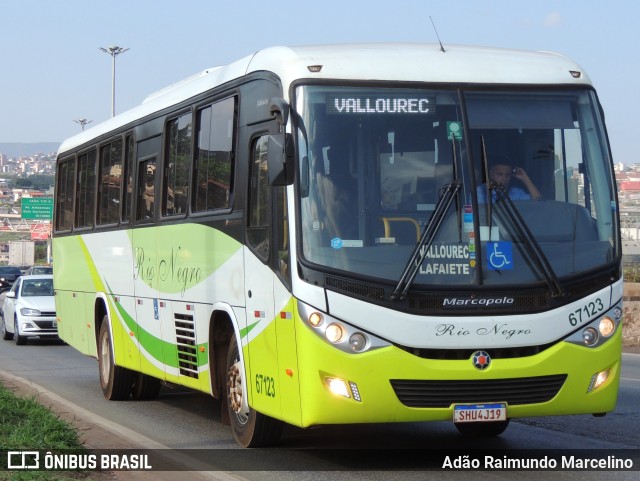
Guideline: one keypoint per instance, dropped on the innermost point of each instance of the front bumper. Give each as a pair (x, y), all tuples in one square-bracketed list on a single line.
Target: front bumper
[(38, 326), (373, 372)]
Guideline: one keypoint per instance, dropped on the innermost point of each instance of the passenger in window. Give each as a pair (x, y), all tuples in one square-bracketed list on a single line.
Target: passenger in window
[(501, 172)]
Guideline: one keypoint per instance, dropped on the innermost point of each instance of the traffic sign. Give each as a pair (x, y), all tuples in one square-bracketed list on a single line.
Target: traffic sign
[(37, 208)]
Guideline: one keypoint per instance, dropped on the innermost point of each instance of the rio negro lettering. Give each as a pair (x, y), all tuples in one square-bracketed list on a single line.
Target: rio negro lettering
[(169, 269), (499, 330)]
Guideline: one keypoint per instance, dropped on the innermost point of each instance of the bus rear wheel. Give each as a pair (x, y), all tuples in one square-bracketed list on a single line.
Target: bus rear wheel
[(145, 387), (250, 429), (116, 381), (482, 429)]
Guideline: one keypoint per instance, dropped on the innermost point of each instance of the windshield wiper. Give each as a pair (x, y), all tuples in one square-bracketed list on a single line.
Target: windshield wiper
[(534, 250), (419, 253)]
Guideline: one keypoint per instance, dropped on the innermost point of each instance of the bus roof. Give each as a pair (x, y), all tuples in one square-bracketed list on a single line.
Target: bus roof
[(381, 62)]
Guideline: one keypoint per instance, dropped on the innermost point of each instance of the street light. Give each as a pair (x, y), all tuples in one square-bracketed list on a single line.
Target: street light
[(83, 122), (114, 52)]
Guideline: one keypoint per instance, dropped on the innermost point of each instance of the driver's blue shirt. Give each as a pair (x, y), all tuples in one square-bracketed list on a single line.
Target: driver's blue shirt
[(515, 193)]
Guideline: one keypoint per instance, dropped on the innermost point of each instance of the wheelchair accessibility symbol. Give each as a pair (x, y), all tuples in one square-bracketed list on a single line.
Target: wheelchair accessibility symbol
[(499, 256)]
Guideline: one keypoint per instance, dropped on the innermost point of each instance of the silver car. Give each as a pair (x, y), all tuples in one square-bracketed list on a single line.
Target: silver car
[(29, 310)]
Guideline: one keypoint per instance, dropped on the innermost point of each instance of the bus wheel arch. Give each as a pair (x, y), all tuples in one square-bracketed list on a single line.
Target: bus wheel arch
[(220, 332), (116, 381), (252, 429)]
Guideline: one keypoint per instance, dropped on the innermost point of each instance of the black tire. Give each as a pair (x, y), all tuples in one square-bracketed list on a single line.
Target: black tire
[(145, 387), (482, 429), (6, 335), (254, 429), (116, 382), (20, 340)]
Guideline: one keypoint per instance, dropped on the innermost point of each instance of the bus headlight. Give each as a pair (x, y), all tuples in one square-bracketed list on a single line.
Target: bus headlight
[(599, 330), (334, 332), (590, 336), (606, 326), (338, 333), (358, 341), (315, 319)]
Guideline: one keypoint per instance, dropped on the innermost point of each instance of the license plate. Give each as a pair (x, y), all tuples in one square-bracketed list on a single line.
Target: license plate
[(474, 413)]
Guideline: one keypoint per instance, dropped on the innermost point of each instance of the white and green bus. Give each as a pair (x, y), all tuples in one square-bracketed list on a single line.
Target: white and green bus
[(350, 234)]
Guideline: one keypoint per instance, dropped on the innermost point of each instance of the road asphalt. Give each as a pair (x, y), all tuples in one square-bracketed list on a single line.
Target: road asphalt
[(97, 433)]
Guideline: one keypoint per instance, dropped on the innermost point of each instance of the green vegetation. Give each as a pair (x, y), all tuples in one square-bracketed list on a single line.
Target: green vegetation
[(27, 425), (39, 182)]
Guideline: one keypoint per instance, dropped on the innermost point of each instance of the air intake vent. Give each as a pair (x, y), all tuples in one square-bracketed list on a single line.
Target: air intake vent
[(186, 344), (358, 289), (442, 394)]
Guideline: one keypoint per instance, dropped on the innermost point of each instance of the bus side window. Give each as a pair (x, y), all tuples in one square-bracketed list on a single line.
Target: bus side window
[(110, 181), (85, 189), (215, 155), (146, 189), (178, 160), (128, 179), (259, 199), (281, 233), (64, 195)]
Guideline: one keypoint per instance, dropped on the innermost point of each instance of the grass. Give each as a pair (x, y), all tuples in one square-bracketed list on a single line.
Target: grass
[(27, 425)]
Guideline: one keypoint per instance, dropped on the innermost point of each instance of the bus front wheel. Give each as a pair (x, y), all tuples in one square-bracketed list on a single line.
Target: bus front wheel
[(116, 381), (250, 429)]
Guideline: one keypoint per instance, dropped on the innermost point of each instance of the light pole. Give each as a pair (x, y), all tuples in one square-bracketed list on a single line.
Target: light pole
[(83, 122), (114, 52)]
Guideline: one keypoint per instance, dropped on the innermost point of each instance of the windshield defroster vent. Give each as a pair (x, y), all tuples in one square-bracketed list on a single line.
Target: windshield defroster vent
[(358, 289)]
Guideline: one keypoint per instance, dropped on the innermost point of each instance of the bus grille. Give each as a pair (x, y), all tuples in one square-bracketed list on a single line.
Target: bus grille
[(186, 344), (442, 394)]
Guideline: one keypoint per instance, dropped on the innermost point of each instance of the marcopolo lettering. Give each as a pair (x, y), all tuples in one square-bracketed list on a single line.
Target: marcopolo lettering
[(353, 105), (480, 302)]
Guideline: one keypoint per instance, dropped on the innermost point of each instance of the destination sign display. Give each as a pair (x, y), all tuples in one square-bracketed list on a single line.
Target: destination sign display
[(381, 105)]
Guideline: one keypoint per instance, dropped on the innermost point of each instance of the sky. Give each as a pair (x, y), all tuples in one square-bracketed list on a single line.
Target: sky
[(53, 73)]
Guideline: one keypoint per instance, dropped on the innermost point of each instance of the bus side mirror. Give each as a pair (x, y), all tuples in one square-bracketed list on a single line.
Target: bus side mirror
[(280, 159)]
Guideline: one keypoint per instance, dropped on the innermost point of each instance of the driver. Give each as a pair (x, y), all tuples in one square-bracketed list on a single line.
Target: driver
[(501, 173)]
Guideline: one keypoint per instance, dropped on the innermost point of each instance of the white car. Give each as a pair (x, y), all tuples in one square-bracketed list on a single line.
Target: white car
[(29, 310)]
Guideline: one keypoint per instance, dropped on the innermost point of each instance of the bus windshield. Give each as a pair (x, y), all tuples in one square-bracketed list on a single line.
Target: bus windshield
[(536, 184)]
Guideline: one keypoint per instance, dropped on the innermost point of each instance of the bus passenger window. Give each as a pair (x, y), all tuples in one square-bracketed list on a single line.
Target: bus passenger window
[(178, 160), (85, 190), (281, 233), (259, 199), (215, 155), (110, 182), (64, 195), (128, 178), (146, 189)]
